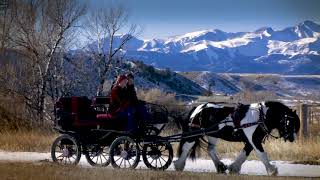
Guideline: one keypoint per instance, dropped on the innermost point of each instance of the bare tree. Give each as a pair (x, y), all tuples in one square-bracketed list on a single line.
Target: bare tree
[(102, 27), (41, 28), (7, 14)]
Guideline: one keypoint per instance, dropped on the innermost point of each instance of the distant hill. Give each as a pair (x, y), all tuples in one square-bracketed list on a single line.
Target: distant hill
[(288, 86), (146, 77)]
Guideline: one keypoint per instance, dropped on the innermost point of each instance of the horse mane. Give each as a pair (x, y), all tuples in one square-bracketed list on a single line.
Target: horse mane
[(277, 104)]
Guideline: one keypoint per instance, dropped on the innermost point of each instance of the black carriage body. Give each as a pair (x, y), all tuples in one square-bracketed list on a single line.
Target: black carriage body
[(79, 114), (83, 133)]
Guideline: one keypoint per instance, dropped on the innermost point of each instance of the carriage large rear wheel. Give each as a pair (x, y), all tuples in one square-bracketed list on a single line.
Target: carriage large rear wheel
[(97, 155), (124, 153), (157, 156), (66, 150)]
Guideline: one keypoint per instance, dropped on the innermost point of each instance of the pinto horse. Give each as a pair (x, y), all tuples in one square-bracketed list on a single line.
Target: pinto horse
[(250, 124)]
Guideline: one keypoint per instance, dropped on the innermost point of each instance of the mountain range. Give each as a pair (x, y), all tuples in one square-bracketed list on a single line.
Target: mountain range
[(292, 50)]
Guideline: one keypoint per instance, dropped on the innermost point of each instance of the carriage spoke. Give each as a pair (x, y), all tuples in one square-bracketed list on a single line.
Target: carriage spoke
[(160, 162), (97, 160), (163, 159), (118, 159), (104, 157), (121, 162), (152, 161)]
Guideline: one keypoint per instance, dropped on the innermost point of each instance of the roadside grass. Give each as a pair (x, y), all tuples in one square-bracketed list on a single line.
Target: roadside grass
[(33, 140), (9, 170)]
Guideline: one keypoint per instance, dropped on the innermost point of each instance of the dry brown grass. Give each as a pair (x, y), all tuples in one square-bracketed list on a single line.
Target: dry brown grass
[(38, 141), (159, 97), (52, 171), (303, 150)]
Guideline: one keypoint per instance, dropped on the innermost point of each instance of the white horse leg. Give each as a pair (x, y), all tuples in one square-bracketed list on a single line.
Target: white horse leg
[(235, 167), (271, 169), (181, 162), (221, 168)]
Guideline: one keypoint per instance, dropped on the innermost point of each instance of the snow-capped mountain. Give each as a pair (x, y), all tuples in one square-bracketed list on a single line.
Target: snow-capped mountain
[(294, 50)]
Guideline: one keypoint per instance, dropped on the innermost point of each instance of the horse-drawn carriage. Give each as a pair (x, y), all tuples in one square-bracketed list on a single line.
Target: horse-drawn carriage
[(86, 128)]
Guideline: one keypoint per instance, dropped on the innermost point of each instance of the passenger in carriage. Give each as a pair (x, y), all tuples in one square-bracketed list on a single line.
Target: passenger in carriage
[(120, 105)]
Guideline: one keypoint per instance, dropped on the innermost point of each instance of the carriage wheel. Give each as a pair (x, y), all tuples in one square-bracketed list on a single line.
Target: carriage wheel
[(98, 155), (124, 153), (66, 150), (157, 156)]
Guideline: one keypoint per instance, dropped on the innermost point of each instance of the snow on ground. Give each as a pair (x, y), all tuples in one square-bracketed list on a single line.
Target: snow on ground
[(252, 167)]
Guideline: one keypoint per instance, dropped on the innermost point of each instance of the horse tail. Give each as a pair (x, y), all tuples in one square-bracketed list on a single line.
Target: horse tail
[(195, 149), (184, 125), (198, 143)]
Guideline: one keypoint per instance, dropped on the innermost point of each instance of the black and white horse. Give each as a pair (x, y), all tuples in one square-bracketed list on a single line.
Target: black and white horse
[(255, 122)]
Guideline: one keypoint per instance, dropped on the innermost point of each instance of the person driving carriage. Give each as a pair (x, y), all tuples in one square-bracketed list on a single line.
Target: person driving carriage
[(130, 90), (139, 106)]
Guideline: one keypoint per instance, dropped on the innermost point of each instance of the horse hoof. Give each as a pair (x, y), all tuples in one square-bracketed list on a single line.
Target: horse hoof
[(272, 171), (233, 169), (178, 166), (221, 168)]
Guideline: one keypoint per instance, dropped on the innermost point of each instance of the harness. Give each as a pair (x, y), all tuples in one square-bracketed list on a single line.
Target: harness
[(261, 123)]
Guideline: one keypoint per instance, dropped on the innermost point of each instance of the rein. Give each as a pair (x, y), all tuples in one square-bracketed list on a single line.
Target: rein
[(261, 120)]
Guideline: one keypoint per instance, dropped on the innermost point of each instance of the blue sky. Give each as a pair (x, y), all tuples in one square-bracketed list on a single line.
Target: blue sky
[(163, 18)]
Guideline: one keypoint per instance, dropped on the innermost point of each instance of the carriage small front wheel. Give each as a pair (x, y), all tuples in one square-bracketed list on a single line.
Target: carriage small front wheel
[(97, 155), (124, 153), (157, 156), (66, 150)]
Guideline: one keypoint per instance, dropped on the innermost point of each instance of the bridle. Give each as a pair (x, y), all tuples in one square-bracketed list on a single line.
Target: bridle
[(285, 121)]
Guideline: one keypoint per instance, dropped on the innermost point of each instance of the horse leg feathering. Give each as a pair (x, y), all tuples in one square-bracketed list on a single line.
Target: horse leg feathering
[(221, 168), (235, 167), (181, 162)]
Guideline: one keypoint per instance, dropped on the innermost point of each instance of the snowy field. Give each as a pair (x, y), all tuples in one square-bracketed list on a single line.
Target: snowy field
[(252, 167)]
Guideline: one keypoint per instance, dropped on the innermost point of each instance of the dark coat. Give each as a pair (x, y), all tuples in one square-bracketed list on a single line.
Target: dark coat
[(131, 95)]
